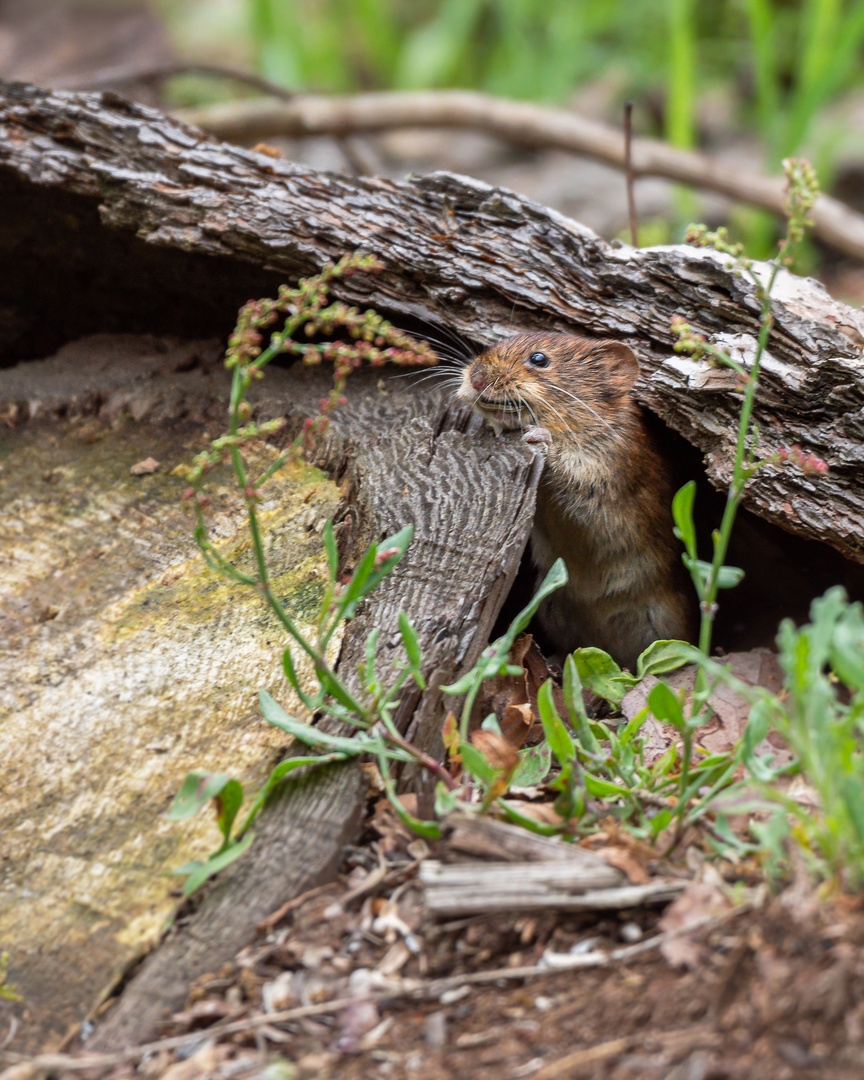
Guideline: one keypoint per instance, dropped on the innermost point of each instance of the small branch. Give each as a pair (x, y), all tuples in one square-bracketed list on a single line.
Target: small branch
[(125, 76), (628, 172), (519, 122)]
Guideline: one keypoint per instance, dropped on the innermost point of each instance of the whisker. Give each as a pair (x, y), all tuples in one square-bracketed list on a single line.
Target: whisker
[(440, 369), (593, 412), (549, 405), (459, 348)]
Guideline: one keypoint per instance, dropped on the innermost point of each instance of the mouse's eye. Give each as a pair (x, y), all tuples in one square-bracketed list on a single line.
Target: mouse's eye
[(539, 359)]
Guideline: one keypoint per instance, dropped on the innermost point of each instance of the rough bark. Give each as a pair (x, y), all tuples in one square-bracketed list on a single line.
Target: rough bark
[(457, 252)]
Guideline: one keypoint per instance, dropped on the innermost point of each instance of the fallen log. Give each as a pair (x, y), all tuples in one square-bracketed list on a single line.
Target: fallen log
[(457, 252)]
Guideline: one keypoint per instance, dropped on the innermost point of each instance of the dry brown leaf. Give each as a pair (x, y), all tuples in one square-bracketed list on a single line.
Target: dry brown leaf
[(543, 812), (500, 754), (624, 860), (513, 698), (758, 667), (698, 900), (144, 468)]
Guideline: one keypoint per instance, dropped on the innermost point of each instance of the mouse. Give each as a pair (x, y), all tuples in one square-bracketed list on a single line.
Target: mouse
[(604, 501)]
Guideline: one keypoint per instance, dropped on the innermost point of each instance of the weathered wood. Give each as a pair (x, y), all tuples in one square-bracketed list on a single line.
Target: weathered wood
[(471, 498), (496, 841), (498, 888), (484, 261)]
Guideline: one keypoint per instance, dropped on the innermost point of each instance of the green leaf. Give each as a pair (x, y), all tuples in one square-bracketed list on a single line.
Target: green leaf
[(531, 824), (599, 672), (279, 773), (534, 765), (371, 572), (627, 734), (197, 789), (369, 668), (490, 723), (229, 801), (682, 512), (557, 735), (446, 800), (274, 714), (431, 830), (659, 822), (576, 708), (662, 656), (199, 872), (603, 789), (665, 705), (336, 689), (291, 675), (727, 576), (410, 642), (556, 577), (494, 658), (330, 548), (477, 765), (846, 649)]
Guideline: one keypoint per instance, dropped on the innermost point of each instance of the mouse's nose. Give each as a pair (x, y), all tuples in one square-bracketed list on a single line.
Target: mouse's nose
[(478, 379)]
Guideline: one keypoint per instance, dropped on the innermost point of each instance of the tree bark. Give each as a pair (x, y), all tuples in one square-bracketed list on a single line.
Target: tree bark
[(194, 224)]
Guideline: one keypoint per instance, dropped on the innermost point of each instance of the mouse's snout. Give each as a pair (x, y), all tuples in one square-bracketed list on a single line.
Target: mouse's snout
[(477, 377)]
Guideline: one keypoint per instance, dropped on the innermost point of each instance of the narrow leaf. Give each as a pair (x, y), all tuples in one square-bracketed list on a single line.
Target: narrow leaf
[(557, 735), (330, 548), (682, 512)]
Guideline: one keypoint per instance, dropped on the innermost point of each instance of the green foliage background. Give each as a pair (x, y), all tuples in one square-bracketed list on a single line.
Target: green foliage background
[(777, 63)]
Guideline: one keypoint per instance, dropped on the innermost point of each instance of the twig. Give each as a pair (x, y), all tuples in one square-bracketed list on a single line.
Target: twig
[(628, 172), (77, 1063), (678, 1040), (123, 76), (522, 123), (291, 905)]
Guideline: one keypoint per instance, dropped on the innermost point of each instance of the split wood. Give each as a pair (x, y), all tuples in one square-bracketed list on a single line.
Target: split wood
[(478, 888)]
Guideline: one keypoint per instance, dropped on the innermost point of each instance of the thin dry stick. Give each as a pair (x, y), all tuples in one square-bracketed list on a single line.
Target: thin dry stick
[(628, 172), (680, 1039), (521, 123), (125, 76)]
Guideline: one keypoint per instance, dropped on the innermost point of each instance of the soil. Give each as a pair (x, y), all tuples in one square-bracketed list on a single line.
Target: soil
[(774, 992)]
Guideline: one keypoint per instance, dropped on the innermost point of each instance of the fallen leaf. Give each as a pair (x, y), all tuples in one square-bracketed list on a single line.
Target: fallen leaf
[(698, 900), (624, 861), (729, 711), (144, 468), (500, 754)]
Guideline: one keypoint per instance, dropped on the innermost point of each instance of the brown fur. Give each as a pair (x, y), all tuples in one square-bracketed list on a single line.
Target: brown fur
[(605, 495)]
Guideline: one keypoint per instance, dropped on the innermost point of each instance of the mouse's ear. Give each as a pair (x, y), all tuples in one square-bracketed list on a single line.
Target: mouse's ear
[(623, 365)]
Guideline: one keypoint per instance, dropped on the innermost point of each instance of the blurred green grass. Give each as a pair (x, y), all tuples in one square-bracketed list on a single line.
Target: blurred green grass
[(777, 65)]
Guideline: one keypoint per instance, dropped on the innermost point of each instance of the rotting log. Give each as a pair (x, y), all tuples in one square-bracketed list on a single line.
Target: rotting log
[(470, 498), (485, 262)]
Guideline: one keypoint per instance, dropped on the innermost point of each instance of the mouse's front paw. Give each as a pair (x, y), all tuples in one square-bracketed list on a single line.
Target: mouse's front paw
[(537, 436)]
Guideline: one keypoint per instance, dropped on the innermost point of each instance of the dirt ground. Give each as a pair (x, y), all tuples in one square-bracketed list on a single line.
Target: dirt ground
[(773, 988)]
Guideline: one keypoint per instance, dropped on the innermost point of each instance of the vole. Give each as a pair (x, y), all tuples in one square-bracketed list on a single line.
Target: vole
[(604, 500)]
